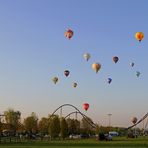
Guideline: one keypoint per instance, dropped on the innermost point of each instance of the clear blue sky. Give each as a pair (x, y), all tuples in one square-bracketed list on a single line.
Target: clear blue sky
[(33, 49)]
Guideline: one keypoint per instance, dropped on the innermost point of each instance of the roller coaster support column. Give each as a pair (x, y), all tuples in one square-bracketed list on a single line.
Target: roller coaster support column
[(61, 112), (76, 115), (143, 127)]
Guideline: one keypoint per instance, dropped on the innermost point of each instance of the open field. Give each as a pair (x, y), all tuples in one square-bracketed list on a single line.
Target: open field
[(141, 142)]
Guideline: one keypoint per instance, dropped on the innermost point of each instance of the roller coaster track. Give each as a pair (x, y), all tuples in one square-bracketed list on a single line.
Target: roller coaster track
[(85, 117), (142, 119), (90, 122), (77, 111)]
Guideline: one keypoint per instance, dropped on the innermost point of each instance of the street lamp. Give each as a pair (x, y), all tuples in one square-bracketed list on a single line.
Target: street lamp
[(109, 120)]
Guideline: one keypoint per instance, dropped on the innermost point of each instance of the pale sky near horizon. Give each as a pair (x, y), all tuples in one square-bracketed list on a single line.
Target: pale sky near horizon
[(33, 49)]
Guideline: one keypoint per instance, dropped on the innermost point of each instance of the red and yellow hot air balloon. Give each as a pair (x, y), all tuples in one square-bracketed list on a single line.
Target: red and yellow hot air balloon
[(69, 33), (85, 106), (96, 66), (139, 36)]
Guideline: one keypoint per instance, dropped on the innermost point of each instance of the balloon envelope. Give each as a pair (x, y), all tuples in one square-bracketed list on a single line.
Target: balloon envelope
[(66, 73), (109, 80), (85, 106), (69, 33), (134, 120), (115, 59), (86, 56), (55, 80), (139, 36), (132, 64), (138, 73), (74, 84), (96, 66)]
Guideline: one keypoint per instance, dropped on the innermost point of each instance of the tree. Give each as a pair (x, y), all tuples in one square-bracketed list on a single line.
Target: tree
[(12, 118), (71, 126), (1, 126), (104, 129), (31, 123), (97, 129), (77, 125), (54, 126), (86, 127), (43, 126), (64, 128)]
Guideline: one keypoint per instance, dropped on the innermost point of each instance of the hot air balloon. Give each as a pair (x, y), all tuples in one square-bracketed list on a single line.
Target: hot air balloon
[(69, 33), (55, 80), (139, 36), (134, 120), (66, 73), (115, 59), (132, 64), (86, 56), (109, 80), (85, 106), (96, 66), (74, 84), (138, 73)]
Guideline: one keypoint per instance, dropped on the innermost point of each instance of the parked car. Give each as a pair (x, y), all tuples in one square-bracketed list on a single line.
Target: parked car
[(108, 137), (84, 135), (114, 133), (103, 136), (74, 136)]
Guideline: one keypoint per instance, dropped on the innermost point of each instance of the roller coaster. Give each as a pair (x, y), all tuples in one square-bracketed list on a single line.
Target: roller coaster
[(140, 121), (77, 111), (91, 123)]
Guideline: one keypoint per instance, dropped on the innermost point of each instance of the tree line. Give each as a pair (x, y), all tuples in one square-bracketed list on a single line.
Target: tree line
[(52, 126)]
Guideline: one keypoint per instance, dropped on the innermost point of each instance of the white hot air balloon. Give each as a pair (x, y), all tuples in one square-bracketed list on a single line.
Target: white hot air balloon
[(86, 56)]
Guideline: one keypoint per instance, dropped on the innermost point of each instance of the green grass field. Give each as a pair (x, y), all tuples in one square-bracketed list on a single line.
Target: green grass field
[(141, 142)]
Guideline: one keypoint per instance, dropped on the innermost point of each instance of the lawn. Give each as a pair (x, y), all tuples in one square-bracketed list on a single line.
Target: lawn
[(141, 142)]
